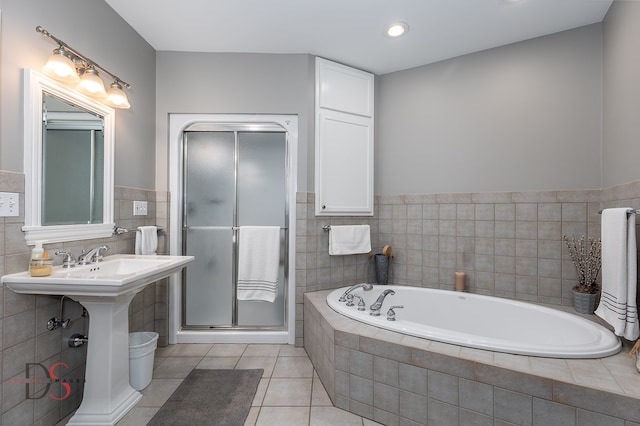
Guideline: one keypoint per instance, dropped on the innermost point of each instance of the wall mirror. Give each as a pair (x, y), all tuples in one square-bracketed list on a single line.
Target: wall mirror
[(68, 163)]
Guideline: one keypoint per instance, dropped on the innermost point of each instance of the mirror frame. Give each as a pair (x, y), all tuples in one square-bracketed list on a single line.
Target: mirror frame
[(34, 86)]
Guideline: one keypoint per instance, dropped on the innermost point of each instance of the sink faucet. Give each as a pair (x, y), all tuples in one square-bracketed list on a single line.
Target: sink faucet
[(69, 261), (92, 256), (365, 287), (377, 305)]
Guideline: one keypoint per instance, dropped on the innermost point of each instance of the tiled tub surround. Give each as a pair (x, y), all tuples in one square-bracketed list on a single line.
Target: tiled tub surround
[(509, 244), (23, 318), (396, 379)]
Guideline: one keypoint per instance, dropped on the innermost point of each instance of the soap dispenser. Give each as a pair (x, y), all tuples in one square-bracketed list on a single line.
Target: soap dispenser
[(40, 264)]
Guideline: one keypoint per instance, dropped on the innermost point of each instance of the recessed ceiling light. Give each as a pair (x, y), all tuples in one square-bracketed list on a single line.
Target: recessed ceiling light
[(397, 29)]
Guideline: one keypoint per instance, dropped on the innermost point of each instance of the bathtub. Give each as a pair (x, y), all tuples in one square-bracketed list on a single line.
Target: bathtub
[(483, 322)]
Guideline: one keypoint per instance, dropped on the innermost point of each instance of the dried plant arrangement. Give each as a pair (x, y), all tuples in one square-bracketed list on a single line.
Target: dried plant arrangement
[(587, 257)]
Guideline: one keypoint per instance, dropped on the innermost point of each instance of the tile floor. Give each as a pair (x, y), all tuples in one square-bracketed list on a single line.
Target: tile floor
[(289, 394)]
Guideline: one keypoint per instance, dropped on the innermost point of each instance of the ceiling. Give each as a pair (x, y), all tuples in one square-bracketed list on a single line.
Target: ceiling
[(352, 31)]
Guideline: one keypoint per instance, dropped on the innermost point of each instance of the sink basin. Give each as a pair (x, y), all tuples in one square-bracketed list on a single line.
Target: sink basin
[(105, 289), (116, 275)]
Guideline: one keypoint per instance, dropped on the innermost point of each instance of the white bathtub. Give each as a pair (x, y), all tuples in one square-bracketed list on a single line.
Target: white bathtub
[(483, 322)]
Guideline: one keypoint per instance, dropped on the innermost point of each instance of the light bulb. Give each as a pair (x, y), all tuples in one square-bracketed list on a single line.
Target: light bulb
[(91, 84), (116, 97), (397, 29), (60, 67)]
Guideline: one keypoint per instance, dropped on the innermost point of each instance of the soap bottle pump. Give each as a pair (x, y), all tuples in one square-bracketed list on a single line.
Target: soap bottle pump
[(37, 252)]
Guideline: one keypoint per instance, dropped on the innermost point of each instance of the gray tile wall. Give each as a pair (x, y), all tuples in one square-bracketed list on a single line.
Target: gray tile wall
[(24, 337), (508, 244)]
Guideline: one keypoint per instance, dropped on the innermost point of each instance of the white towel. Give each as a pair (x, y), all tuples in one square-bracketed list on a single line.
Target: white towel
[(147, 240), (619, 273), (349, 239), (258, 262)]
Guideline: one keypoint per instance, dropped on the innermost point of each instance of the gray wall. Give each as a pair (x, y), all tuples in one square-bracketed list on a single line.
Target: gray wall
[(526, 116), (621, 82), (96, 31), (229, 83)]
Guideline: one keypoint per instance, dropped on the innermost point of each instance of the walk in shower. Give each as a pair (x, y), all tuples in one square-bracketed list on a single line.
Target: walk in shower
[(228, 173)]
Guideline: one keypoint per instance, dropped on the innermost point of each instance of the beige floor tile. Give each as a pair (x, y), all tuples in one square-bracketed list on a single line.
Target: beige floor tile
[(227, 349), (158, 392), (261, 350), (279, 416), (265, 362), (289, 350), (260, 392), (319, 396), (165, 351), (192, 349), (252, 417), (175, 368), (288, 392), (331, 416), (138, 416), (219, 362), (293, 367)]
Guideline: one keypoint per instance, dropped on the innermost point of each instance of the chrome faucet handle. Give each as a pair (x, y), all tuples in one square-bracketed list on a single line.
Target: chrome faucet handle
[(99, 250), (69, 261), (361, 304), (391, 314)]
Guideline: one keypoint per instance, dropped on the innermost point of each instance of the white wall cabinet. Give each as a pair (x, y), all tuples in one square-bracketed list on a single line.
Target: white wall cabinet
[(344, 140)]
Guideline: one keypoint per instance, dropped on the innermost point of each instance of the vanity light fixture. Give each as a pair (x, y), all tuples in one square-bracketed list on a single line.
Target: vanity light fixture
[(61, 67), (91, 84), (397, 29), (116, 97), (69, 66)]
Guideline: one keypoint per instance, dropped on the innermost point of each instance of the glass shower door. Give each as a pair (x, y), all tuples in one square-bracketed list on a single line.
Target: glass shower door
[(232, 179), (209, 210), (261, 202)]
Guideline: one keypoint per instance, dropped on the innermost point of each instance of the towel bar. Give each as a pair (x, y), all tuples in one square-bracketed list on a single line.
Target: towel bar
[(119, 230), (157, 226), (630, 211)]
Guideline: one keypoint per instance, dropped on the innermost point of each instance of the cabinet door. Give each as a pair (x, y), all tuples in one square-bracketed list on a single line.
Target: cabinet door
[(344, 164), (343, 88)]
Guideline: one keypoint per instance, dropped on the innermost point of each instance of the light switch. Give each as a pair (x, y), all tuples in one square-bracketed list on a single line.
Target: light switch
[(139, 208), (9, 203)]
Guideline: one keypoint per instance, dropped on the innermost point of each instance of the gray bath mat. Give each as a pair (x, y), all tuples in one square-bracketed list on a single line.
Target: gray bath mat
[(210, 397)]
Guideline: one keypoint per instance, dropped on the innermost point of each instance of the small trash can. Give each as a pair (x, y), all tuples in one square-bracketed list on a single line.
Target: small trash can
[(142, 348)]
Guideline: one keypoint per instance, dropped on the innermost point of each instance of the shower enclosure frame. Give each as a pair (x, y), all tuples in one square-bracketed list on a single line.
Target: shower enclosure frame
[(178, 124)]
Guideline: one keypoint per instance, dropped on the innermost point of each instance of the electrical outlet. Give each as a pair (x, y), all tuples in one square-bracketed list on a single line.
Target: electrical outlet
[(9, 203), (139, 208)]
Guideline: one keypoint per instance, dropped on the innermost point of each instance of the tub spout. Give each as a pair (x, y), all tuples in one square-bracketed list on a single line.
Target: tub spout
[(365, 287), (377, 305)]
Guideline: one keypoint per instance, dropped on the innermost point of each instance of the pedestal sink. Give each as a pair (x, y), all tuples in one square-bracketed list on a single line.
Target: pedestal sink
[(105, 289)]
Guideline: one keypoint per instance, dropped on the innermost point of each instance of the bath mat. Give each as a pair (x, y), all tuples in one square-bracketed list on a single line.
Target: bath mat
[(210, 397)]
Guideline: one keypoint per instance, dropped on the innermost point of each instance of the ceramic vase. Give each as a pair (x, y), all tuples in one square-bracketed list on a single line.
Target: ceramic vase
[(584, 303)]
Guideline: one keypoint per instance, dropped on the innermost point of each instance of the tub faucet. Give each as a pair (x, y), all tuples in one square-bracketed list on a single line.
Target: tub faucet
[(92, 256), (377, 305), (365, 287), (361, 304)]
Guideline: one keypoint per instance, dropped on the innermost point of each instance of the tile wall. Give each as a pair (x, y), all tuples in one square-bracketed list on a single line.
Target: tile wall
[(509, 244), (24, 337)]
